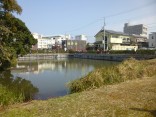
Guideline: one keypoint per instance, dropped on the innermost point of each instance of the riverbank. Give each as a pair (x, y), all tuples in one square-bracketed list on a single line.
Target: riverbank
[(135, 98)]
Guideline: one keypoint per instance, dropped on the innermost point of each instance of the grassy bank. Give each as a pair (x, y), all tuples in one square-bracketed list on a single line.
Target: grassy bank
[(127, 70), (131, 98), (14, 90), (136, 98)]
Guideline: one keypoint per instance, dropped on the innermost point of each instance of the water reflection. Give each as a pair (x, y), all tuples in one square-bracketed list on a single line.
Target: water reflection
[(51, 76), (17, 85)]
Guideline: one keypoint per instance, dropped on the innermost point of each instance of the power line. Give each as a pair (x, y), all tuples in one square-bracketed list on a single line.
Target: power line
[(93, 22), (131, 10), (113, 15)]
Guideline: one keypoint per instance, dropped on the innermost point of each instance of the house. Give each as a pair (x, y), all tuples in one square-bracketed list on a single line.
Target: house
[(152, 40), (113, 41)]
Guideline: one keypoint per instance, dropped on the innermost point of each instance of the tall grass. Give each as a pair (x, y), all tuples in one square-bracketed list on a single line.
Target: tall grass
[(7, 97), (127, 70)]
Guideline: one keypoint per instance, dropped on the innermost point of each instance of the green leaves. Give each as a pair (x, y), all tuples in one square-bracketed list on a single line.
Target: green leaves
[(10, 6), (15, 37)]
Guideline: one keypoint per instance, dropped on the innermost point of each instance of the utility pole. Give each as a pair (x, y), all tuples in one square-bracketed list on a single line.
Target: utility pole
[(104, 35)]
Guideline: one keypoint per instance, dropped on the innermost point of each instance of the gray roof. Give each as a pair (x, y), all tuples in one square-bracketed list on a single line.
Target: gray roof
[(113, 32), (120, 33)]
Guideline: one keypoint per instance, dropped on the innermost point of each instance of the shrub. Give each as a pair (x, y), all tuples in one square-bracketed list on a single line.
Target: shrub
[(7, 97), (127, 70)]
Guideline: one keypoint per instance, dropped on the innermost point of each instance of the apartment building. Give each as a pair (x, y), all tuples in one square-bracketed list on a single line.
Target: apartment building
[(152, 40), (139, 29), (113, 41), (49, 42), (43, 42)]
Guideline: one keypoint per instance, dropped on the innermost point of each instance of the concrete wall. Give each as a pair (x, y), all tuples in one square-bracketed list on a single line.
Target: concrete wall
[(119, 47), (113, 57)]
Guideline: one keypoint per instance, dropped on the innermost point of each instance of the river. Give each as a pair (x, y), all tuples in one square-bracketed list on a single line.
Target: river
[(52, 76)]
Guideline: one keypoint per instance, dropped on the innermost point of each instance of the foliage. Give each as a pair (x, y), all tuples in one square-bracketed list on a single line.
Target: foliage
[(146, 52), (71, 51), (128, 70), (139, 51), (7, 97), (13, 90), (15, 37), (122, 52), (10, 6)]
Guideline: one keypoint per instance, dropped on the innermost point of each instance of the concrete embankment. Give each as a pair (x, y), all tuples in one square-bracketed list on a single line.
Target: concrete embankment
[(109, 57), (113, 57), (43, 56)]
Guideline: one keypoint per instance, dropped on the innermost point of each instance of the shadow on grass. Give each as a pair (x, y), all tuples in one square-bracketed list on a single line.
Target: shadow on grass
[(152, 112)]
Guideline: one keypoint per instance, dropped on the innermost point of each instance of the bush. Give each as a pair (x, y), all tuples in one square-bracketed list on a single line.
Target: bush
[(146, 51), (7, 97), (127, 70), (122, 52)]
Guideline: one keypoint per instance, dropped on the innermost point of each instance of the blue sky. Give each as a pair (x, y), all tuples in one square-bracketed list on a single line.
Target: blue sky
[(54, 17)]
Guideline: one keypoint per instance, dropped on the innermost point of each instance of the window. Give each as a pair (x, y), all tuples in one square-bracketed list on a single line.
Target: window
[(152, 37), (114, 36)]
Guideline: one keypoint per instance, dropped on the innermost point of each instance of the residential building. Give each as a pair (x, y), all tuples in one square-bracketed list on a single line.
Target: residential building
[(139, 29), (141, 41), (43, 42), (49, 42), (152, 40), (75, 45), (81, 37), (113, 41)]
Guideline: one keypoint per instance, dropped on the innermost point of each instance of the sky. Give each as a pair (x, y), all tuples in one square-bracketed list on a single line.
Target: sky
[(75, 17)]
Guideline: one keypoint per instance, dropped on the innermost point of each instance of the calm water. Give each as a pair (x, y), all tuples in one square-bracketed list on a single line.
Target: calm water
[(52, 76)]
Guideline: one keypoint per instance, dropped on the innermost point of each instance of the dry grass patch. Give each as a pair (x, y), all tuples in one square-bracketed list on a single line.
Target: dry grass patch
[(135, 98), (127, 70)]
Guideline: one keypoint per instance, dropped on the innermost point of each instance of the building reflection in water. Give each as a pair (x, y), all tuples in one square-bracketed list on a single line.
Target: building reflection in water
[(51, 76)]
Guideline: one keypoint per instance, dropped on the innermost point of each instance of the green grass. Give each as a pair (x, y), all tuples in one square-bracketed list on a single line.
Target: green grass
[(127, 70), (7, 97)]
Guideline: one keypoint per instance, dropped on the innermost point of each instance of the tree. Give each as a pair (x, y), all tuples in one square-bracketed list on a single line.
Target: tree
[(10, 6), (15, 37)]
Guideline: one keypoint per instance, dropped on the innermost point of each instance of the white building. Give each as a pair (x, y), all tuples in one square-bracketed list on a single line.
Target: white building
[(47, 42), (152, 40), (139, 29), (59, 38), (81, 37)]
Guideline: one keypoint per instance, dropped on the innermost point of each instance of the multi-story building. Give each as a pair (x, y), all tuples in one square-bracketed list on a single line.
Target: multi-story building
[(139, 29), (152, 40), (49, 42), (43, 42), (113, 41), (75, 45), (81, 37)]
